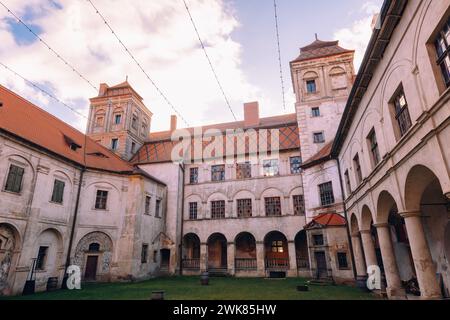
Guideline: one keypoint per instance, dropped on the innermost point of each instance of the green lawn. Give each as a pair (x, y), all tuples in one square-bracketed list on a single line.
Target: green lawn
[(189, 288)]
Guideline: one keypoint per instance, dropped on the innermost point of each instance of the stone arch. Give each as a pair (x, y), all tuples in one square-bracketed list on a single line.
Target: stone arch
[(310, 75), (217, 252), (301, 250), (354, 224), (191, 251), (104, 255), (271, 191), (245, 252), (52, 240), (10, 245), (276, 251), (62, 173), (366, 218), (386, 204)]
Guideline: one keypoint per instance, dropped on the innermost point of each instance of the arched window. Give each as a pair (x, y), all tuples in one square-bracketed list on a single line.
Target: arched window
[(94, 247), (310, 78)]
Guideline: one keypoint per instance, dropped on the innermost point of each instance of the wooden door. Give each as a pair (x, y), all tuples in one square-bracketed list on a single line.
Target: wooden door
[(322, 270), (91, 268)]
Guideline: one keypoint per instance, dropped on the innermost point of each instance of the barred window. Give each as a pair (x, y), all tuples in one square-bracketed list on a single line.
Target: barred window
[(243, 170), (358, 171), (299, 205), (144, 253), (244, 208), (193, 210), (271, 168), (15, 177), (148, 200), (402, 113), (319, 137), (193, 175), (218, 209), (373, 143), (443, 52), (58, 191), (342, 260), (326, 194), (101, 199), (218, 173), (296, 163), (273, 206)]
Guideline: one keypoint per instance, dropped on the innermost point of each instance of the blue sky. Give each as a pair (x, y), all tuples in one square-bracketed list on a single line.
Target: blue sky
[(241, 42)]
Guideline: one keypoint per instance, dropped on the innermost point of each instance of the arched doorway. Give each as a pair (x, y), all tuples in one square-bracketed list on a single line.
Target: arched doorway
[(9, 247), (276, 252), (191, 252), (93, 255), (245, 252), (49, 257), (217, 252), (301, 250)]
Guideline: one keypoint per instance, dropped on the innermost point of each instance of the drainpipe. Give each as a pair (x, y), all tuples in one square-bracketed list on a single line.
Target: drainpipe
[(72, 231), (347, 226), (180, 256)]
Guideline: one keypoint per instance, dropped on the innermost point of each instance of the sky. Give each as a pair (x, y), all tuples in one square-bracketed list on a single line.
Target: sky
[(239, 36)]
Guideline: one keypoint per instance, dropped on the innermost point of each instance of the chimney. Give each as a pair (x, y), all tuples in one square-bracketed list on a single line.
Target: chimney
[(173, 123), (103, 88), (251, 114)]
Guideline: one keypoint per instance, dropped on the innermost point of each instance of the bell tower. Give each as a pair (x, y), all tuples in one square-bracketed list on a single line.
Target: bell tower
[(119, 120), (322, 77)]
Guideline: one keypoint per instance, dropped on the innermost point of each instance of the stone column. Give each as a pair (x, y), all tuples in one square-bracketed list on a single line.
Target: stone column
[(394, 285), (203, 257), (423, 261), (260, 258), (369, 248), (292, 259), (230, 258), (360, 264)]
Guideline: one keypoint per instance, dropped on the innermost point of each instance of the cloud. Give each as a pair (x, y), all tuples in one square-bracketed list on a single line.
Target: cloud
[(357, 35), (159, 34)]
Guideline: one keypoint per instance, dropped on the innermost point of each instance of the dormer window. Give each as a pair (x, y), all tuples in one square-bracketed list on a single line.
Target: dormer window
[(71, 143)]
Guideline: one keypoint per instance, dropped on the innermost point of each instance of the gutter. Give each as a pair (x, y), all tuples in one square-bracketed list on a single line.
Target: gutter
[(180, 256)]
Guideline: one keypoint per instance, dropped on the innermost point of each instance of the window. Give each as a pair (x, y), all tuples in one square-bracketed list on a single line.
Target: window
[(243, 170), (99, 121), (144, 253), (358, 172), (158, 208), (101, 200), (148, 200), (342, 260), (443, 52), (117, 119), (270, 168), (58, 191), (277, 247), (114, 144), (133, 147), (193, 210), (311, 86), (373, 144), (218, 173), (94, 247), (319, 137), (299, 205), (315, 112), (402, 113), (326, 194), (193, 175), (347, 182), (218, 209), (244, 208), (14, 181), (144, 129), (40, 260), (318, 239), (134, 121), (273, 206), (296, 163)]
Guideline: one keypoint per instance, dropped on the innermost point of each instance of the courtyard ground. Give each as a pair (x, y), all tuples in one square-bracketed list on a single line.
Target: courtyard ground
[(189, 288)]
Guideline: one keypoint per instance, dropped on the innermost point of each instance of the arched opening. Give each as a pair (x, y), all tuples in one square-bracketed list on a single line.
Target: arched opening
[(94, 247), (217, 252), (191, 252), (276, 252), (9, 245), (358, 250), (301, 250), (245, 252), (423, 193)]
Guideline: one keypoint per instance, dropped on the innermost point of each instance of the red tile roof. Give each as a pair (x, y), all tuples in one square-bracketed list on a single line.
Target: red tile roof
[(319, 49), (159, 147), (327, 220), (323, 155), (29, 122)]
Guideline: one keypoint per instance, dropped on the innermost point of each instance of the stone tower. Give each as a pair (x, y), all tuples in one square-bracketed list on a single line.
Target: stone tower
[(119, 120), (322, 78)]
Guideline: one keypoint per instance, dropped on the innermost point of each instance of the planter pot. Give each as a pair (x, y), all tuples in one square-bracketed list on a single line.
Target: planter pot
[(158, 295), (204, 279), (302, 288)]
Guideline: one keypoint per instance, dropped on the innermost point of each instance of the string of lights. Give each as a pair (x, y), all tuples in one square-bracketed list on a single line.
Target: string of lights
[(19, 20), (279, 54), (209, 60), (128, 51)]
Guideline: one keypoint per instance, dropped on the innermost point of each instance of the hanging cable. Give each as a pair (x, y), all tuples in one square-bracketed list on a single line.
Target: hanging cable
[(209, 60), (137, 63), (279, 54)]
